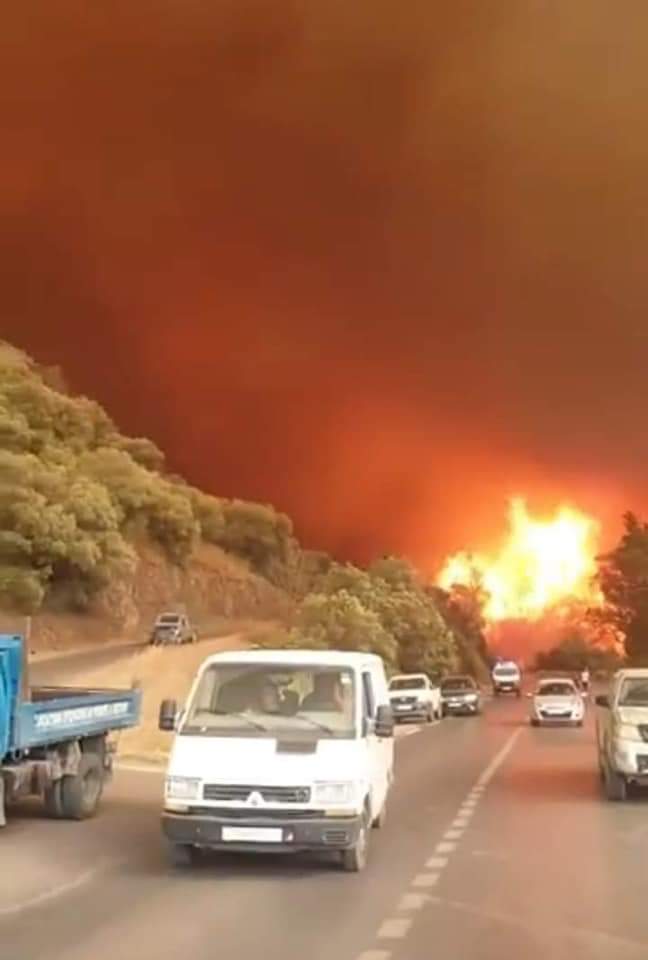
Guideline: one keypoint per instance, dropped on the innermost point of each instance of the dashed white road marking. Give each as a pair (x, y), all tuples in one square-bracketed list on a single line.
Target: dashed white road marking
[(395, 928), (445, 847), (436, 863), (452, 834), (413, 901), (461, 822), (425, 880)]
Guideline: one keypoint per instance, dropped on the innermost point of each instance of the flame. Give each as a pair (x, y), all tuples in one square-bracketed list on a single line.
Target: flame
[(542, 565)]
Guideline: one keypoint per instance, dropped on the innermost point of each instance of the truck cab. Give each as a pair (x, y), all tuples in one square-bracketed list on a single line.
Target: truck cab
[(622, 733), (284, 750)]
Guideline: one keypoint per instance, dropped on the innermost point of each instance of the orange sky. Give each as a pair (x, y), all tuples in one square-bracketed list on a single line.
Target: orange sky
[(385, 269)]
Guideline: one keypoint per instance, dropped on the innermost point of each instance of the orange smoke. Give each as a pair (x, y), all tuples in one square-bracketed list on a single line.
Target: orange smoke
[(543, 565)]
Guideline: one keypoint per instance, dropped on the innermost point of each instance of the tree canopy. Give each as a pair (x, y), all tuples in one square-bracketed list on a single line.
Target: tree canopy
[(75, 494)]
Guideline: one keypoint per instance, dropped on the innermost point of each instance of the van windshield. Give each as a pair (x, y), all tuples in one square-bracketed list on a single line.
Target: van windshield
[(261, 699)]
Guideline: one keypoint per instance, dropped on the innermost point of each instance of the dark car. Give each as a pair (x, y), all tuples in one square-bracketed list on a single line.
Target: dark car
[(172, 628), (460, 695)]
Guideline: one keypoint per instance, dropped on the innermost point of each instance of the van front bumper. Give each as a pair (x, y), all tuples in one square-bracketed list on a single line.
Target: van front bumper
[(289, 834)]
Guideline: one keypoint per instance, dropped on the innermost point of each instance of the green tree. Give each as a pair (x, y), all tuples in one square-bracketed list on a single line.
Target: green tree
[(623, 579)]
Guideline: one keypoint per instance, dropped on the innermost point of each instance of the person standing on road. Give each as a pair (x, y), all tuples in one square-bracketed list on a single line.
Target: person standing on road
[(585, 678)]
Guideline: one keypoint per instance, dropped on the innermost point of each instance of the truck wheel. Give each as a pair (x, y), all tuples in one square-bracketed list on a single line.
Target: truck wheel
[(81, 792), (615, 785), (354, 860), (52, 800), (430, 715), (182, 855)]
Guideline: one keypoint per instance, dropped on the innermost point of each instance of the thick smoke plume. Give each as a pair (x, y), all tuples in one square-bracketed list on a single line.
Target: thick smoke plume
[(383, 266)]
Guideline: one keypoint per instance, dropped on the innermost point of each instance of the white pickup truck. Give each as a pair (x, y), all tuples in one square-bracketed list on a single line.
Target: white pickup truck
[(622, 733), (414, 697)]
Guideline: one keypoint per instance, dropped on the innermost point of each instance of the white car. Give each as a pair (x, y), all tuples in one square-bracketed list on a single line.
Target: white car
[(557, 700), (414, 697)]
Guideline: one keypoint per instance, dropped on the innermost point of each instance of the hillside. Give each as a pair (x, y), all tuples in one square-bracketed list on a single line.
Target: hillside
[(95, 535)]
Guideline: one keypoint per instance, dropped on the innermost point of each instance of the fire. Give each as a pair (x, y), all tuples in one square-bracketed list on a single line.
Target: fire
[(542, 565)]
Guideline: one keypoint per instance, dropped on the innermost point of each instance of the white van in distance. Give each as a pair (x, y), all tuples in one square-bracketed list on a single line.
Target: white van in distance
[(280, 750)]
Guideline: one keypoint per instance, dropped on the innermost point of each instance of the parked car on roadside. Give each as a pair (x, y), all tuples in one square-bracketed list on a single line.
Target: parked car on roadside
[(172, 628), (557, 700), (460, 695), (414, 697)]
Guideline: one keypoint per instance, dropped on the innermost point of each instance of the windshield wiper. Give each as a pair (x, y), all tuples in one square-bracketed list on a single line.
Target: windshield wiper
[(241, 716), (314, 723)]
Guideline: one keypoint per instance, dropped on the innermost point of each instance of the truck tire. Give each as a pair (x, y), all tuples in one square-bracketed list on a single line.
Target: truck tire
[(429, 717), (615, 785), (52, 800), (354, 860), (81, 792)]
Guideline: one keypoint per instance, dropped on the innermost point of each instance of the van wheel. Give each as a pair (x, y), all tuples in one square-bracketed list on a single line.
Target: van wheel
[(81, 792), (615, 785), (354, 860)]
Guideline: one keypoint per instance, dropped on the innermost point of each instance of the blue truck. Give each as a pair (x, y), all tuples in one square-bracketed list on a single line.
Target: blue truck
[(54, 741)]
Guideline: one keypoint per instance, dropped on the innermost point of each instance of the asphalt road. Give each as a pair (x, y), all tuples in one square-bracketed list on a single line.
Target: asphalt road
[(498, 846)]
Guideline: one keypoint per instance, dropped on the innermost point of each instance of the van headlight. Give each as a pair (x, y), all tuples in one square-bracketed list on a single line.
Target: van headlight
[(333, 792), (182, 788), (471, 698)]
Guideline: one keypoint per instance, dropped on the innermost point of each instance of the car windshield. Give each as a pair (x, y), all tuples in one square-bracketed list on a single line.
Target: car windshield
[(168, 620), (407, 683), (251, 700), (634, 692), (506, 671), (557, 689), (457, 683)]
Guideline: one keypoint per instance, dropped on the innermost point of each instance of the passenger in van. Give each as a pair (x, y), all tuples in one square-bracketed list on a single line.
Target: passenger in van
[(269, 698), (326, 694)]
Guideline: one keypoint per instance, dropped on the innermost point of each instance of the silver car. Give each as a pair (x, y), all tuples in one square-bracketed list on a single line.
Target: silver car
[(460, 695)]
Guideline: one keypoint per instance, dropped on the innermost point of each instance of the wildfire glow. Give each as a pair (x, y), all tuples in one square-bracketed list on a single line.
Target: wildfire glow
[(541, 565)]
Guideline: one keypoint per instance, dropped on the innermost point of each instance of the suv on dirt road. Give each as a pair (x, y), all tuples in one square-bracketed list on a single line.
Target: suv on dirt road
[(172, 628)]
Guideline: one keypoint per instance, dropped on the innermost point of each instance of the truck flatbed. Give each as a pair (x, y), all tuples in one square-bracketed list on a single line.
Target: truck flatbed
[(54, 740)]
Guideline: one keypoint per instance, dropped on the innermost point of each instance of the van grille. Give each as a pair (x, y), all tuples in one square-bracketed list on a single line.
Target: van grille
[(240, 793)]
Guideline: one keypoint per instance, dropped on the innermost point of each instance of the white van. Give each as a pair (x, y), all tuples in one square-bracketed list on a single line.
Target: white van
[(280, 750)]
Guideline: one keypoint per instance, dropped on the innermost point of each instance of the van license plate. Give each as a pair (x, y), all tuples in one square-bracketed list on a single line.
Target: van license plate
[(251, 835)]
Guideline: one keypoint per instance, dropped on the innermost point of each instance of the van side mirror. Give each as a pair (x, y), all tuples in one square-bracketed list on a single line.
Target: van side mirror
[(602, 700), (384, 723), (168, 715)]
